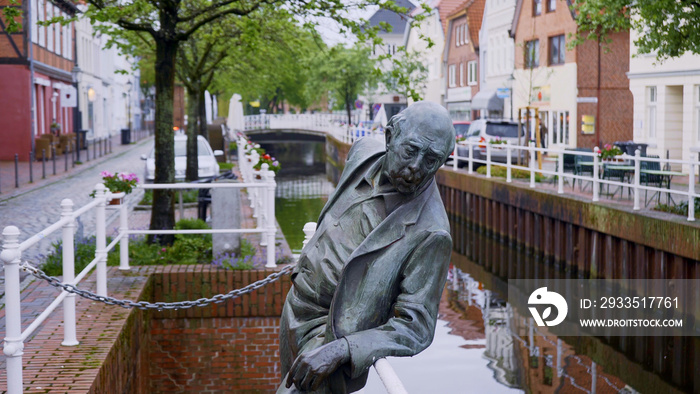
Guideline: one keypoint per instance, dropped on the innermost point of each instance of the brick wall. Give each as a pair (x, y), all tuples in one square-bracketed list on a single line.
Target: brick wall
[(215, 355), (614, 111), (230, 347)]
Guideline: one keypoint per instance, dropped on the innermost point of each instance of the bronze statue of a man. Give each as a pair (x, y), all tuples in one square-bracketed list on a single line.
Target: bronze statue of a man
[(369, 282)]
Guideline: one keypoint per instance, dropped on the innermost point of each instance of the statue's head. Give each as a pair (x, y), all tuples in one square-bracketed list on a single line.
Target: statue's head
[(418, 142)]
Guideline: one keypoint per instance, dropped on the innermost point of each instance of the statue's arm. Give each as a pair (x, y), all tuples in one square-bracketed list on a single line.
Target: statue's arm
[(412, 328)]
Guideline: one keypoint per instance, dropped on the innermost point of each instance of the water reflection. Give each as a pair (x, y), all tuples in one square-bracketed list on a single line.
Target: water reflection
[(302, 187)]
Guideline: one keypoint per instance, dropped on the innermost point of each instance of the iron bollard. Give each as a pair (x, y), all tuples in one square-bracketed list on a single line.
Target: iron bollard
[(65, 157), (16, 170), (43, 164), (94, 150), (31, 167), (53, 159), (87, 151)]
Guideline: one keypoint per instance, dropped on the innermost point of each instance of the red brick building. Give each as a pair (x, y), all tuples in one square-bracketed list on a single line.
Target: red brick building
[(36, 84), (462, 58), (582, 94)]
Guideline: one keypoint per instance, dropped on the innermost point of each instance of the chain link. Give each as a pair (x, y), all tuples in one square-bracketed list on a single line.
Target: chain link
[(219, 298)]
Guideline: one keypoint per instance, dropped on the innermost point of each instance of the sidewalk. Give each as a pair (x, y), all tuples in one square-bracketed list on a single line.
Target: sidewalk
[(96, 156)]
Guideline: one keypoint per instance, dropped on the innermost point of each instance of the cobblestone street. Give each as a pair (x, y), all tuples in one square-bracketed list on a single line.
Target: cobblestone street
[(35, 209)]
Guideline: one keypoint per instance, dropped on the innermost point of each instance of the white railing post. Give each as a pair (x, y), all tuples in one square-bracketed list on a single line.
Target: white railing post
[(488, 159), (532, 164), (101, 241), (391, 381), (253, 192), (309, 230), (691, 190), (596, 161), (124, 241), (560, 172), (68, 246), (509, 163), (13, 346), (455, 158), (269, 207), (637, 178), (471, 157)]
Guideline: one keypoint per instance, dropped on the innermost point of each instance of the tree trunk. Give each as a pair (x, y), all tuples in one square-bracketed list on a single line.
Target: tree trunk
[(192, 171), (163, 213), (203, 115)]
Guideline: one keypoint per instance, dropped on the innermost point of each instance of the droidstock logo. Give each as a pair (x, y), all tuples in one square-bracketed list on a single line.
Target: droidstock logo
[(543, 297)]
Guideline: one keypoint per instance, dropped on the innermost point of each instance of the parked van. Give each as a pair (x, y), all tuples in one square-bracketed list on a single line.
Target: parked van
[(497, 132)]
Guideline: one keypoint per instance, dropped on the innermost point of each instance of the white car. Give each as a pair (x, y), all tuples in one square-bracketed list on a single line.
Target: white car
[(208, 166)]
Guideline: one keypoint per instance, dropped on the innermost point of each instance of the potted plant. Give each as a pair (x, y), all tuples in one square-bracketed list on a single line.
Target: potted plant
[(609, 152), (118, 182), (271, 161), (55, 128)]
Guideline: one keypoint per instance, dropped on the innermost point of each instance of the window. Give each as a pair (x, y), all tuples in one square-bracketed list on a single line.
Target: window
[(532, 54), (472, 73), (551, 5), (536, 7), (58, 30), (697, 112), (451, 75), (461, 74), (35, 33), (40, 17), (651, 111), (465, 38), (557, 49), (560, 127), (50, 28)]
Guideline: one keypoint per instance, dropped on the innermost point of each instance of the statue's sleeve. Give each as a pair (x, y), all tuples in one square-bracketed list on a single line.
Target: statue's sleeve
[(411, 329)]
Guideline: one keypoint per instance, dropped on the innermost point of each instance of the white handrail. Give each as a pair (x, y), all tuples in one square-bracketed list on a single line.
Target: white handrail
[(485, 147), (11, 257)]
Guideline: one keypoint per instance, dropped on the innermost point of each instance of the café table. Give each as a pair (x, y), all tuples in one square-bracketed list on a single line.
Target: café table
[(666, 176)]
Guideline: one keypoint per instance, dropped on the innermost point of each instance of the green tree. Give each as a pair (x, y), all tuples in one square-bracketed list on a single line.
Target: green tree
[(344, 72), (170, 22), (407, 75), (668, 28)]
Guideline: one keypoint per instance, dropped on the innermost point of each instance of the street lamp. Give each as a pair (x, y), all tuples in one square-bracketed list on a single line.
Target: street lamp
[(511, 79), (128, 92), (77, 119)]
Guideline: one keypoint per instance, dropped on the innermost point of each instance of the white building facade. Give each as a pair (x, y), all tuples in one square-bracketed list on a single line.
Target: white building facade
[(431, 27), (666, 103), (106, 98), (496, 53)]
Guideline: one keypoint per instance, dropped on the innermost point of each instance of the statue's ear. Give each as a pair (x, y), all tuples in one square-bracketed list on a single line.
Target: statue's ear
[(388, 133)]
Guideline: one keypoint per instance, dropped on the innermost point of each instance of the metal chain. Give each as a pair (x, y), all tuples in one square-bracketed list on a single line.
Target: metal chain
[(55, 282)]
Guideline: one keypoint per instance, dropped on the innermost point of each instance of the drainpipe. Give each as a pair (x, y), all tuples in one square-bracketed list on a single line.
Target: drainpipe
[(597, 105), (32, 98)]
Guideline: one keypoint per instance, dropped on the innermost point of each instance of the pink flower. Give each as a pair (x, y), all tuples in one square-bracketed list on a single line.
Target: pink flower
[(106, 174)]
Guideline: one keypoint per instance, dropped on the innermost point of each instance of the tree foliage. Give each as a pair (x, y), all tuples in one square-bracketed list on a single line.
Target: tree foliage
[(343, 72), (668, 28)]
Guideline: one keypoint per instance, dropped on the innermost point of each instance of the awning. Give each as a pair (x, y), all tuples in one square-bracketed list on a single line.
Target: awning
[(487, 99)]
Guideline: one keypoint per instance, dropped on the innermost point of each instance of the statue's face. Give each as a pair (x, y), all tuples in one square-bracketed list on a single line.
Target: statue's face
[(414, 156)]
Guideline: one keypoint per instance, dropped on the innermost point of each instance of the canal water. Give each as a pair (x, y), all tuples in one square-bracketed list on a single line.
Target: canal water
[(481, 344)]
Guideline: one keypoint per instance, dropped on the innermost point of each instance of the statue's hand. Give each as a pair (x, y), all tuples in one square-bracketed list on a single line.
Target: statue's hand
[(311, 368)]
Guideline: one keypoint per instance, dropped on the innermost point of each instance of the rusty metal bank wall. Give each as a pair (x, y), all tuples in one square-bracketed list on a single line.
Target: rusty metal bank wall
[(587, 239)]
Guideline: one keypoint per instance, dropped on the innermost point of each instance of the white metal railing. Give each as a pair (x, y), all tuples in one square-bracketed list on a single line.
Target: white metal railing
[(387, 375), (528, 155), (332, 124), (12, 248)]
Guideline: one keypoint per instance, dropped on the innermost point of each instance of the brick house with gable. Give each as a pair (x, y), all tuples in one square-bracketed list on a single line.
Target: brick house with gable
[(462, 59), (35, 74), (570, 86)]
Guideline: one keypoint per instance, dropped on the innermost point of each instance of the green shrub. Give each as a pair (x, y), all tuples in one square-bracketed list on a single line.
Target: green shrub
[(680, 209), (516, 173), (241, 259), (188, 196), (84, 254), (225, 166)]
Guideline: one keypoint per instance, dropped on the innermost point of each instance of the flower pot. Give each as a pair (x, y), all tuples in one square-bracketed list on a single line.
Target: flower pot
[(116, 201)]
